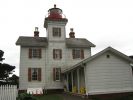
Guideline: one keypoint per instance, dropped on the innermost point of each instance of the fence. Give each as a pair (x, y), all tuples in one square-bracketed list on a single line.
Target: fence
[(8, 92)]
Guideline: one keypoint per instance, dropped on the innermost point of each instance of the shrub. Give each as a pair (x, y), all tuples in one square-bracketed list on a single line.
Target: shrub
[(25, 96)]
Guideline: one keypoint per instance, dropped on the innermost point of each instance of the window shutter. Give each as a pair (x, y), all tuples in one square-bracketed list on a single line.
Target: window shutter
[(29, 74), (60, 75), (39, 74), (30, 53), (82, 54), (59, 34), (54, 74), (40, 53), (73, 53), (53, 53), (60, 54)]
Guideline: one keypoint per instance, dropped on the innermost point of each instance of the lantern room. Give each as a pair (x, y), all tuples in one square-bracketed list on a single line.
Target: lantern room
[(55, 13)]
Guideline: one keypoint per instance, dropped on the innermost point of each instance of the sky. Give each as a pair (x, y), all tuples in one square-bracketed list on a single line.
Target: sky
[(103, 22)]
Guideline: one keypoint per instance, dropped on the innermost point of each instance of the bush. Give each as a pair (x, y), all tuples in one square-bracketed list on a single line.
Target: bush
[(25, 96)]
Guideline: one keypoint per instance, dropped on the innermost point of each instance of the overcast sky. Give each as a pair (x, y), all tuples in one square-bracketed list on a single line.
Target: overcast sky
[(103, 22)]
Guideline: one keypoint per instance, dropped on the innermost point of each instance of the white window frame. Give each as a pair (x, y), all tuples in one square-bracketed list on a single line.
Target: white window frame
[(57, 54), (77, 53), (57, 70), (33, 78), (35, 53)]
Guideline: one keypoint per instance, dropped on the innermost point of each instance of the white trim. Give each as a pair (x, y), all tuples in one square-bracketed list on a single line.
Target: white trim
[(78, 80), (72, 78), (67, 82)]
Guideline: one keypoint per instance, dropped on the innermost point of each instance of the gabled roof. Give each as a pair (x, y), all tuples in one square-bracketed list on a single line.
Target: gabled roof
[(114, 51), (43, 42), (32, 41), (78, 42)]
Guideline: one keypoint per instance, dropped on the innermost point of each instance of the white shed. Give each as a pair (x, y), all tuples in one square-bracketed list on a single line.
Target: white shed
[(108, 71)]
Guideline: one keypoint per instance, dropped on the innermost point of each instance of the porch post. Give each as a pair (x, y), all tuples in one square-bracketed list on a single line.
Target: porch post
[(72, 78), (78, 81), (67, 82)]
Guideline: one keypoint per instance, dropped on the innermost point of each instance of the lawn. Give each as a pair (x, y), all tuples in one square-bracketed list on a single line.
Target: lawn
[(49, 97), (25, 96)]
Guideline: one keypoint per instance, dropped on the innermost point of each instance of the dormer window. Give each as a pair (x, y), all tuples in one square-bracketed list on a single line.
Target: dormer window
[(56, 32)]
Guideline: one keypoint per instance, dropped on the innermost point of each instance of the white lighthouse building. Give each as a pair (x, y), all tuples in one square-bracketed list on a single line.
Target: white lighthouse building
[(43, 58), (55, 62)]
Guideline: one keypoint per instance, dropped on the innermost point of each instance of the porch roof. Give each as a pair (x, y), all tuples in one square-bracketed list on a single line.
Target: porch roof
[(83, 63)]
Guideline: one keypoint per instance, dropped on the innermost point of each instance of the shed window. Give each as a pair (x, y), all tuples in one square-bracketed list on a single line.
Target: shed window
[(108, 56)]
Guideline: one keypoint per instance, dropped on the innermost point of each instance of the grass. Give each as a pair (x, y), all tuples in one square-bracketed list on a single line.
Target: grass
[(49, 97)]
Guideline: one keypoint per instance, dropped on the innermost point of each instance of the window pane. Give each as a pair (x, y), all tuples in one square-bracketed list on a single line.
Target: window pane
[(57, 74), (77, 53), (34, 73), (35, 53), (56, 32), (57, 53)]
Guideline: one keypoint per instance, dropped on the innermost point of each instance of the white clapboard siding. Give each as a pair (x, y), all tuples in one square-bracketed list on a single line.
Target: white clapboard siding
[(108, 75), (8, 92)]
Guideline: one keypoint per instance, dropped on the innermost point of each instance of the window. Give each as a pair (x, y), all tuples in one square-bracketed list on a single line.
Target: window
[(56, 32), (34, 53), (57, 74), (57, 53), (34, 74), (108, 56), (78, 53)]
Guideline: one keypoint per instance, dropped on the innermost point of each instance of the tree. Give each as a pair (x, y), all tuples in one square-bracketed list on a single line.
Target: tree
[(5, 69), (1, 55), (14, 79)]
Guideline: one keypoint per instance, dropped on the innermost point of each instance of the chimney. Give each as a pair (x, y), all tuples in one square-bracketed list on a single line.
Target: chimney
[(71, 34), (36, 32)]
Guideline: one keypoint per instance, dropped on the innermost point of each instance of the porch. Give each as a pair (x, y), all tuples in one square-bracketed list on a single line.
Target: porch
[(74, 81)]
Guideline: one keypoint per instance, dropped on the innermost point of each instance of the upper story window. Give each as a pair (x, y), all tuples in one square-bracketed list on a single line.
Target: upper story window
[(35, 53), (57, 53), (34, 74), (78, 53), (56, 74), (56, 32)]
